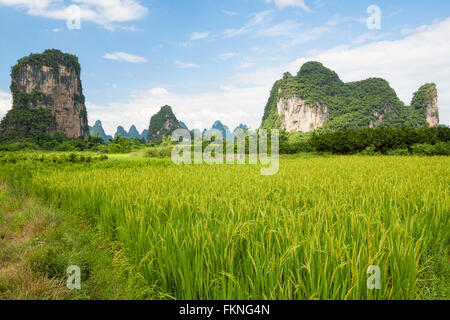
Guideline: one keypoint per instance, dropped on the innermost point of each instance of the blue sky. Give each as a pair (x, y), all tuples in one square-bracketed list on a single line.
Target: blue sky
[(213, 59)]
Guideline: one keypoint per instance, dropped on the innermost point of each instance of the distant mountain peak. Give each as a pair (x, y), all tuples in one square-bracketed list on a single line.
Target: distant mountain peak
[(98, 131), (163, 124)]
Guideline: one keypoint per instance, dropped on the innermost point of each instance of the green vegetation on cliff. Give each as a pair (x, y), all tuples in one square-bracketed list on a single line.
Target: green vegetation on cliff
[(23, 122), (51, 58), (367, 103)]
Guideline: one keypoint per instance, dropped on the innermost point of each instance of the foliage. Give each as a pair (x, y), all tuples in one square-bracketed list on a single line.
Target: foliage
[(52, 58), (24, 122), (124, 145), (51, 158), (382, 139), (424, 149)]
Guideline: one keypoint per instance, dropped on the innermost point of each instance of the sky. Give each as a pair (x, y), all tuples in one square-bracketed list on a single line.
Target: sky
[(217, 60)]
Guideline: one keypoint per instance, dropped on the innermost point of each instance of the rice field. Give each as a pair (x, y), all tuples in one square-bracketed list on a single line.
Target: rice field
[(227, 232)]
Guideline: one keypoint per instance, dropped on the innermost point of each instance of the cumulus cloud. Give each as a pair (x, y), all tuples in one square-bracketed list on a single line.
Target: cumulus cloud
[(106, 13), (281, 4), (123, 56), (5, 103)]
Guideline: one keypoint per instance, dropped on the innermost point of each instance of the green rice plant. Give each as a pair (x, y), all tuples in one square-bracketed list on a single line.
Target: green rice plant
[(226, 232)]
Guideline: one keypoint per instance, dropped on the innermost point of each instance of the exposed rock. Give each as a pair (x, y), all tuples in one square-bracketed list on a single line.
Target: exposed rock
[(433, 113), (50, 81), (162, 124), (296, 115), (425, 103)]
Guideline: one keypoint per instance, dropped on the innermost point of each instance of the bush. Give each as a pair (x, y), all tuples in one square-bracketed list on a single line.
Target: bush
[(384, 139), (439, 149), (159, 152)]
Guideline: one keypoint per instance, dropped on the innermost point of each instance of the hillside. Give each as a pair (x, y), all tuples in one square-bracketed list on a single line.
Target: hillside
[(317, 98), (47, 97), (163, 124)]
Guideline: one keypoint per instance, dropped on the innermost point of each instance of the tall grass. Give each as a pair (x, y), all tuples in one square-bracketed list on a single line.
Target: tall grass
[(226, 232)]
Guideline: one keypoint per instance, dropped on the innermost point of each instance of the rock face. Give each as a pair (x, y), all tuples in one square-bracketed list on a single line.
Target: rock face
[(296, 115), (433, 113), (425, 104), (162, 124), (51, 81), (316, 98)]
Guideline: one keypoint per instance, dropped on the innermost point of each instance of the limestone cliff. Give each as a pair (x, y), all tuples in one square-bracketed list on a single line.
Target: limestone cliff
[(317, 98), (49, 82), (296, 115), (425, 105)]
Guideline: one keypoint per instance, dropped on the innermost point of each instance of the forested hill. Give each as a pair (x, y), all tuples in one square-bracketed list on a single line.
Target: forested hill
[(317, 96)]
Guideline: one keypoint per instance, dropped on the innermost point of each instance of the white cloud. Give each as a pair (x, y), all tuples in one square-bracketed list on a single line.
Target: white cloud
[(5, 103), (230, 105), (256, 20), (369, 36), (286, 28), (230, 13), (306, 36), (199, 35), (123, 56), (185, 65), (281, 4), (106, 13), (228, 55), (246, 64)]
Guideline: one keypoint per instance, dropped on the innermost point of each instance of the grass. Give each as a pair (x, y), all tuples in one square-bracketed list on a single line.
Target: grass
[(38, 243), (226, 232)]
